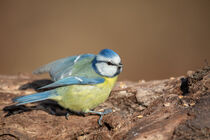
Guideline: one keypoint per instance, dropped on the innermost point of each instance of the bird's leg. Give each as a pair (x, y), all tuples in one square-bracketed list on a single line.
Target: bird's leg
[(106, 111), (73, 112), (67, 115), (51, 111)]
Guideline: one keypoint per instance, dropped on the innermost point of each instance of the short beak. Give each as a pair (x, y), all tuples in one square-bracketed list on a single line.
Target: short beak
[(120, 65)]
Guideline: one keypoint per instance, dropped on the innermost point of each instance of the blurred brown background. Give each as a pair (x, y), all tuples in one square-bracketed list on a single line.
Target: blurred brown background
[(156, 39)]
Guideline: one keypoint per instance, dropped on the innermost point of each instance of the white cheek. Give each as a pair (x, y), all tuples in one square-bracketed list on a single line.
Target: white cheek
[(106, 70), (116, 59)]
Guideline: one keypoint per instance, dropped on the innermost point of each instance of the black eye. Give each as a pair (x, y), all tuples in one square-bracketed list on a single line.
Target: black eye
[(109, 63)]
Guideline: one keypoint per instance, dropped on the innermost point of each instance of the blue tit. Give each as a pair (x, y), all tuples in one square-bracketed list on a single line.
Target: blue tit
[(81, 82)]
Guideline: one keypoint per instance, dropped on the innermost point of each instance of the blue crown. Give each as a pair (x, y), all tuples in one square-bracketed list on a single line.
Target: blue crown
[(108, 53)]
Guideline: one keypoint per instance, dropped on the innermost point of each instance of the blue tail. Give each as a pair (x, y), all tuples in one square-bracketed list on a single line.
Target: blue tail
[(34, 97)]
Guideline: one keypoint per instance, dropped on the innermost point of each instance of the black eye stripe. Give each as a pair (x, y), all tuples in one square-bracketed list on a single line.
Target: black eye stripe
[(109, 63)]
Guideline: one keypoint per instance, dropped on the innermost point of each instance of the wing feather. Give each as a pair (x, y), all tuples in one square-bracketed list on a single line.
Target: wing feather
[(63, 67), (74, 81)]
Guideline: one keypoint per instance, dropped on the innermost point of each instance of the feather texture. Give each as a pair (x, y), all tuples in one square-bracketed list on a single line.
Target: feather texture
[(74, 81), (35, 97)]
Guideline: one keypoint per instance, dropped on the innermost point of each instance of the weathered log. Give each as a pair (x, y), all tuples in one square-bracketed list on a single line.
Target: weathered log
[(175, 108)]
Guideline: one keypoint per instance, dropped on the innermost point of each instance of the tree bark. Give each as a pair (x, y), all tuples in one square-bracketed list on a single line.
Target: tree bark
[(175, 108)]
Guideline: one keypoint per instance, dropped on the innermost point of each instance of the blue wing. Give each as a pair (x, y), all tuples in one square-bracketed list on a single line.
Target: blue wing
[(74, 81), (35, 97), (62, 68)]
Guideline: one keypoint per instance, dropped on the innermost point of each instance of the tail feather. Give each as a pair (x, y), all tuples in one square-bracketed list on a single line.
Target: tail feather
[(43, 69), (34, 97)]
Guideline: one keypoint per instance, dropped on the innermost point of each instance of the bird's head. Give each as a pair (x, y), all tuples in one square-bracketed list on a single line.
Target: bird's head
[(107, 63)]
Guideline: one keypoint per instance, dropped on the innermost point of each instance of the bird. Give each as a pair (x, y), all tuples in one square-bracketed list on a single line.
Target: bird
[(80, 82)]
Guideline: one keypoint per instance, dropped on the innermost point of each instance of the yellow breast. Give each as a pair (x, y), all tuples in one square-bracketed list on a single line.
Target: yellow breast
[(82, 98)]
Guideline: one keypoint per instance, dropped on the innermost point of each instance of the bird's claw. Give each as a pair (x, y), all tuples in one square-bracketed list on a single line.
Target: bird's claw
[(106, 111), (67, 116)]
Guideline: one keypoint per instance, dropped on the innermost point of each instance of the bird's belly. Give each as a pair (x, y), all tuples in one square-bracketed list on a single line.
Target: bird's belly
[(82, 98)]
